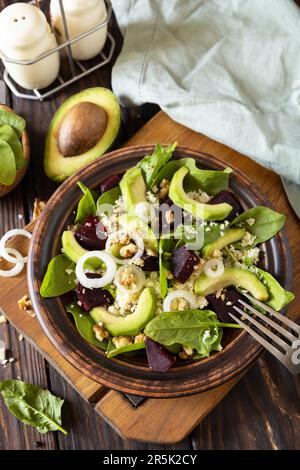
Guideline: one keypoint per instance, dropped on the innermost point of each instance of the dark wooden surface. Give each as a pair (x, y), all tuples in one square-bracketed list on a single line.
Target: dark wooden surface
[(261, 412)]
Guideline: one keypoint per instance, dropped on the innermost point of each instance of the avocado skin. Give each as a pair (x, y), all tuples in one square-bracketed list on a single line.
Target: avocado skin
[(133, 188), (59, 168), (202, 211), (131, 324), (237, 277), (231, 236)]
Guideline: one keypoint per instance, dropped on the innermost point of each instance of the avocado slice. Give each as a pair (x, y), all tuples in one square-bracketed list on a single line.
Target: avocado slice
[(134, 224), (74, 251), (71, 132), (237, 277), (202, 211), (133, 188), (231, 236), (131, 324)]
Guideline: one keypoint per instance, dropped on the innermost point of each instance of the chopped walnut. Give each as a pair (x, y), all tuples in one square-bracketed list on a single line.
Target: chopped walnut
[(139, 338), (3, 319), (220, 294), (169, 217), (164, 187), (121, 341), (183, 355), (188, 351), (180, 304), (100, 333), (128, 251), (169, 275), (26, 306), (38, 208)]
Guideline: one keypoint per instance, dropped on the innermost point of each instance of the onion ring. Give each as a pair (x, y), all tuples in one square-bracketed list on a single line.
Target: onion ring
[(137, 240), (12, 233), (179, 294), (138, 274), (214, 267), (97, 283), (18, 261)]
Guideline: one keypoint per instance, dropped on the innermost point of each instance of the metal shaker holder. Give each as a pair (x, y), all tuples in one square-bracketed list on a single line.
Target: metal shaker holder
[(76, 69)]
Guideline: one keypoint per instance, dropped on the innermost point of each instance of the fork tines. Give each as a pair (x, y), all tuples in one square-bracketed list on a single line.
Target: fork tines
[(288, 349)]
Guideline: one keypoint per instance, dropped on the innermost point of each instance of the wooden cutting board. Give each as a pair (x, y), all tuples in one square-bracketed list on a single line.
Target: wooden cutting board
[(156, 420)]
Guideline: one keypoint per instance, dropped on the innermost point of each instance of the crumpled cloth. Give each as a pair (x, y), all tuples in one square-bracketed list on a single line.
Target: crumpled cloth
[(229, 69)]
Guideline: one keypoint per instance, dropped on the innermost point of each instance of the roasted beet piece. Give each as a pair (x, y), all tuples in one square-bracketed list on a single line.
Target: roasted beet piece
[(90, 298), (227, 196), (182, 263), (223, 307), (159, 358), (150, 263), (91, 234), (110, 182)]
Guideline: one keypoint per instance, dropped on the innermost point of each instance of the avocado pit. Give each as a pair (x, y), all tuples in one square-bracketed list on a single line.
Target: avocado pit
[(81, 129)]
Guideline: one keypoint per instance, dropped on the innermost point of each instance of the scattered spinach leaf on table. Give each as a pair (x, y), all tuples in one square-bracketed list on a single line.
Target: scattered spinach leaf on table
[(32, 405)]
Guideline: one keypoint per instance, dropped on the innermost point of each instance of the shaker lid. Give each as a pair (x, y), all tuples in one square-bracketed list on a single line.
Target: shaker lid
[(78, 6), (21, 26)]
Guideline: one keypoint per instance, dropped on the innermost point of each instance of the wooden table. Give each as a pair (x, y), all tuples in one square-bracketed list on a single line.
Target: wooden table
[(261, 412)]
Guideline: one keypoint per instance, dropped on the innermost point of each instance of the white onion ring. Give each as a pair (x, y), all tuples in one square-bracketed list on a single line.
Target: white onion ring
[(137, 240), (214, 267), (145, 211), (12, 233), (138, 274), (18, 261), (97, 283), (179, 294)]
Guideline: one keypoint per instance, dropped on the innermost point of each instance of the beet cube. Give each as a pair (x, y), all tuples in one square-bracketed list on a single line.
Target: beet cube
[(150, 263), (91, 235), (182, 263), (109, 183), (223, 307), (227, 196), (90, 298), (159, 358)]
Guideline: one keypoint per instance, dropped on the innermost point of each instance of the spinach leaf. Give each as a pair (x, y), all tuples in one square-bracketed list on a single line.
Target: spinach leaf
[(267, 223), (13, 120), (86, 204), (279, 297), (210, 181), (32, 405), (193, 328), (59, 278), (8, 169), (109, 197), (8, 134), (84, 324), (112, 351), (166, 245), (151, 164)]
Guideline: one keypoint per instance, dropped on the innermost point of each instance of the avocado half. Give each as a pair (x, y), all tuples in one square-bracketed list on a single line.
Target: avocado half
[(59, 167)]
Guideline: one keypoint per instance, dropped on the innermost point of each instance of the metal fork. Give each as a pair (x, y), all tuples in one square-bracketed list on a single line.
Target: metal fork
[(289, 351)]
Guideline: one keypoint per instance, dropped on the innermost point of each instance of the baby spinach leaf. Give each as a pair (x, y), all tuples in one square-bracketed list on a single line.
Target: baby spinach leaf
[(84, 324), (210, 181), (59, 278), (32, 405), (165, 245), (13, 120), (8, 169), (8, 134), (86, 204), (112, 351), (267, 223), (109, 197), (193, 328), (151, 164), (278, 296)]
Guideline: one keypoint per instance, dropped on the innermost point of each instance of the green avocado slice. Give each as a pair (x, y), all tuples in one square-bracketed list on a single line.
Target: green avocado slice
[(230, 236), (57, 167), (133, 188), (72, 249), (131, 324), (237, 277), (202, 211)]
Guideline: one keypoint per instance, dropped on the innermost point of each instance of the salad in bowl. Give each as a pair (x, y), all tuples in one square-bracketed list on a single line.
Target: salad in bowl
[(155, 260)]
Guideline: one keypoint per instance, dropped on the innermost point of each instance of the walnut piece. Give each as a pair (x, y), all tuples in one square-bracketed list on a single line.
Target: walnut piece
[(100, 333), (25, 305), (121, 341), (38, 208)]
